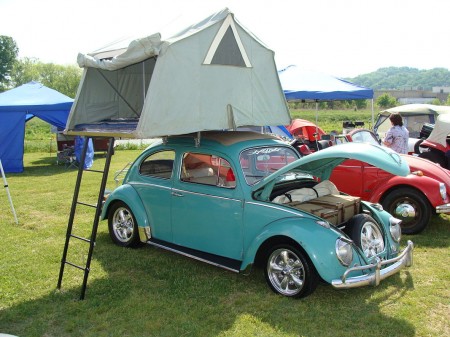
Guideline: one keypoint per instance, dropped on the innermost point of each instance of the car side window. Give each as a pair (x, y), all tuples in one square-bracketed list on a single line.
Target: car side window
[(159, 164), (207, 169)]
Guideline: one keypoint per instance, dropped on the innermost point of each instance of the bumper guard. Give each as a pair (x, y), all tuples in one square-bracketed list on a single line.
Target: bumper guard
[(443, 209), (405, 259)]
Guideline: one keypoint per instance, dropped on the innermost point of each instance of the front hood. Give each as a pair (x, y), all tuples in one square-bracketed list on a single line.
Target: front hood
[(321, 163)]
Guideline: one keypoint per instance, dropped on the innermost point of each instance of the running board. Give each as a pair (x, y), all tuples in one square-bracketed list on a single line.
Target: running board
[(215, 260)]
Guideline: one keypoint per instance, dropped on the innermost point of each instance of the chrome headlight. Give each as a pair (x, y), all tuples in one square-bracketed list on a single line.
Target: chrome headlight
[(395, 229), (344, 251), (442, 190)]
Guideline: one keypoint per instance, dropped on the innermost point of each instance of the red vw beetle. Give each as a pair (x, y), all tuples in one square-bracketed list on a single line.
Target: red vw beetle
[(413, 198)]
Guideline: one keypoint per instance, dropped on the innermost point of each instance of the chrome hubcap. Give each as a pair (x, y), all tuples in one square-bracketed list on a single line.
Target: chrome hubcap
[(286, 272), (372, 242), (405, 211), (123, 224)]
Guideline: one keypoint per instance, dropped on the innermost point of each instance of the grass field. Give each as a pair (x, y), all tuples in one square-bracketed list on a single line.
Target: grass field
[(151, 292)]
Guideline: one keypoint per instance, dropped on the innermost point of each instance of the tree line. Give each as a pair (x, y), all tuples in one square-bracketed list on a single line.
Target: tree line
[(404, 78), (15, 72)]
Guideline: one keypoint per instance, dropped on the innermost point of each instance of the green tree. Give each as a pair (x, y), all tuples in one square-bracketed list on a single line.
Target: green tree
[(8, 56), (64, 79), (386, 101), (360, 104)]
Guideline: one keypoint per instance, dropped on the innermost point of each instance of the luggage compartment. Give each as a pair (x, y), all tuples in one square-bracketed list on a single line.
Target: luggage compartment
[(336, 209)]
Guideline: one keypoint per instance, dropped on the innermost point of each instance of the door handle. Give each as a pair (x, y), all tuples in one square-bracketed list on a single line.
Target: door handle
[(175, 194)]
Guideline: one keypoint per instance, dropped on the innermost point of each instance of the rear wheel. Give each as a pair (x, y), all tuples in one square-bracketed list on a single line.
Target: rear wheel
[(367, 234), (411, 207), (122, 225), (289, 272)]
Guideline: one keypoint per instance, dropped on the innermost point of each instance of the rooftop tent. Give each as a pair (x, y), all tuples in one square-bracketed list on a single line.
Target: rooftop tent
[(20, 104), (212, 75)]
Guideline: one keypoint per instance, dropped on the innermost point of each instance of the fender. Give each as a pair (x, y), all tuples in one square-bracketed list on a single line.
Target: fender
[(127, 194), (426, 185), (317, 241), (433, 145)]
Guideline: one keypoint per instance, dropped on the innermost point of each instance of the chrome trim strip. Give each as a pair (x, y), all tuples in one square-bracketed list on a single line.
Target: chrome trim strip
[(205, 194), (405, 259), (443, 208), (275, 207), (134, 183), (191, 256)]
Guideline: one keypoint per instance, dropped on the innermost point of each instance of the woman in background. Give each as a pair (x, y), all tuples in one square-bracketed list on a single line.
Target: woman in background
[(397, 136)]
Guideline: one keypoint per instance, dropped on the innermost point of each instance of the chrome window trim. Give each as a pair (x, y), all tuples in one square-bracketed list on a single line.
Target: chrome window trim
[(275, 207)]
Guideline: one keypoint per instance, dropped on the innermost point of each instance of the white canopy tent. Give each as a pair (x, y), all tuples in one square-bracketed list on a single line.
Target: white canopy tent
[(212, 75)]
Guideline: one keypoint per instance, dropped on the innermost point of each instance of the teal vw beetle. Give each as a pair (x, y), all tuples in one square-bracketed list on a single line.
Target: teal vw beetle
[(238, 199)]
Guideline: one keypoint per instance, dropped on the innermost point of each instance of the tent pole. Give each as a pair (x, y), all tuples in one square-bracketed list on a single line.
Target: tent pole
[(373, 120), (317, 121), (5, 184)]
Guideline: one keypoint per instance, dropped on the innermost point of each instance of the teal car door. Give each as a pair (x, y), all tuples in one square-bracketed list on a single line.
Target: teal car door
[(207, 206), (154, 186)]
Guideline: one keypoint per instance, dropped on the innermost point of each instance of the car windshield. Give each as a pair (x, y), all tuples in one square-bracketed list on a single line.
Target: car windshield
[(364, 136), (259, 162)]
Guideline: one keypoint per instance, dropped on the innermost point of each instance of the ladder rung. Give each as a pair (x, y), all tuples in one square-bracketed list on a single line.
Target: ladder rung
[(80, 238), (85, 204), (76, 266), (98, 171)]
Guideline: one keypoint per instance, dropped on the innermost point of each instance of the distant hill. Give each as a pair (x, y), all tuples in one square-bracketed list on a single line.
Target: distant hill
[(404, 78)]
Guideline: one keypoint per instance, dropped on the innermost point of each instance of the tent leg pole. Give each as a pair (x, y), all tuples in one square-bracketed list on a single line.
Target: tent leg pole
[(373, 120), (317, 122), (5, 184)]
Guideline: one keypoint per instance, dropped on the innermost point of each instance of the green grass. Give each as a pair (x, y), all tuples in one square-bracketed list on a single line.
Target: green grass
[(151, 292)]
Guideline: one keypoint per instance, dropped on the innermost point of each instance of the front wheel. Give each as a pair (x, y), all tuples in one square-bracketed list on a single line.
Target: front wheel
[(367, 235), (411, 207), (289, 272), (122, 225)]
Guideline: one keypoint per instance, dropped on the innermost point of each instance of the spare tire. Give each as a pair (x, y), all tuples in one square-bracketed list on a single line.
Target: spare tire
[(367, 234), (417, 146)]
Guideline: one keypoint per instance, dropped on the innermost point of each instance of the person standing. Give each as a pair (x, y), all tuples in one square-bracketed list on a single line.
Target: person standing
[(397, 136)]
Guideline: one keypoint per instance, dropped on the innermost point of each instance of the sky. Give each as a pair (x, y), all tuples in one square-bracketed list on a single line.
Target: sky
[(343, 38)]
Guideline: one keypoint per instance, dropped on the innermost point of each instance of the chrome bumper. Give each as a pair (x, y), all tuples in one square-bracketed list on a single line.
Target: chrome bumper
[(405, 259), (445, 208)]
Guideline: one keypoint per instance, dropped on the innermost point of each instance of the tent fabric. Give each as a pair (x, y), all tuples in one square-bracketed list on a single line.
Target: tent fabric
[(305, 85), (212, 75), (17, 106)]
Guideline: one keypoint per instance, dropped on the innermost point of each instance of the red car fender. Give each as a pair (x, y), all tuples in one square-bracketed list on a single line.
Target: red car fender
[(433, 145), (426, 185)]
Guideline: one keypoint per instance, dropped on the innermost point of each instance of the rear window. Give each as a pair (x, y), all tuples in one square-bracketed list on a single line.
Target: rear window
[(159, 165)]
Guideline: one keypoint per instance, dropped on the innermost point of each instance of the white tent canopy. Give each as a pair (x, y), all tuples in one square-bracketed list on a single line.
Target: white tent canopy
[(212, 75)]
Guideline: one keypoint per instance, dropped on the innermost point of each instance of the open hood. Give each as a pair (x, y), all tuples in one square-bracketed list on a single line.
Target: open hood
[(321, 163)]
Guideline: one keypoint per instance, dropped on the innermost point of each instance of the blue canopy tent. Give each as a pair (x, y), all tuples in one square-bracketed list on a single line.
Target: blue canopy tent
[(20, 104), (309, 86)]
